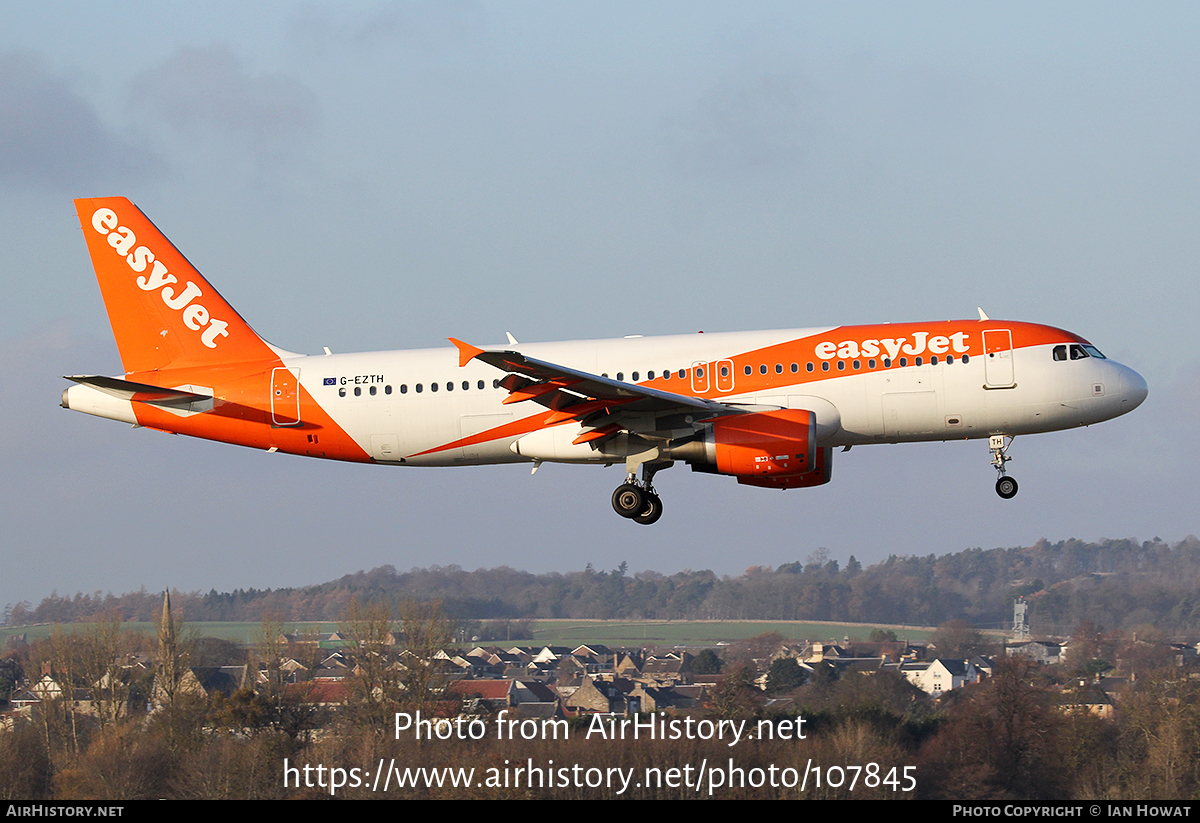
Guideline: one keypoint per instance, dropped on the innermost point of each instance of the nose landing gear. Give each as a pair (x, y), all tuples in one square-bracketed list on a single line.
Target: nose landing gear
[(1006, 486)]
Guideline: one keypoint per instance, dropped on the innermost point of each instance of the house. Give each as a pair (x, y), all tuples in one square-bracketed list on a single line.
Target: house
[(667, 670), (1087, 698), (940, 675), (602, 696), (1043, 651), (496, 694)]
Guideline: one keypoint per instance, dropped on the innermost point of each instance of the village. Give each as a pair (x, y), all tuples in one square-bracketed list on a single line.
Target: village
[(326, 672)]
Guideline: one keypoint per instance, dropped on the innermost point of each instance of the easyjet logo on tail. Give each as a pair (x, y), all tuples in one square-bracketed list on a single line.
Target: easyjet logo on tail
[(195, 315)]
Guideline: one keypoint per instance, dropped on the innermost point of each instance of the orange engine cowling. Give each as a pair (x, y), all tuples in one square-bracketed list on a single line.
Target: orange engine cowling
[(774, 449), (766, 444), (819, 476)]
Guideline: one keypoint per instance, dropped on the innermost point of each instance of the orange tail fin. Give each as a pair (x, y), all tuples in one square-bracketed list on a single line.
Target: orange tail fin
[(163, 312)]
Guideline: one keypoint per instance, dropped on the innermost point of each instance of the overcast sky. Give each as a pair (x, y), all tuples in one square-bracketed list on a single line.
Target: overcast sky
[(386, 175)]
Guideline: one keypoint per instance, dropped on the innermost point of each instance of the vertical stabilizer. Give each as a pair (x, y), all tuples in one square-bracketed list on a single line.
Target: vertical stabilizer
[(163, 312)]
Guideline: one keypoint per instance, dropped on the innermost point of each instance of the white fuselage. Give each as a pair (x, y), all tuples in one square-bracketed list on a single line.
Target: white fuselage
[(419, 400)]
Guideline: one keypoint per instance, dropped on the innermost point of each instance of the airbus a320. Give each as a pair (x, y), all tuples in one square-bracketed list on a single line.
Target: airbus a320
[(767, 408)]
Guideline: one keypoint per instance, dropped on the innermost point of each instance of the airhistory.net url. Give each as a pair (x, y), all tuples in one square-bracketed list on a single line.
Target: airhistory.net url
[(701, 779)]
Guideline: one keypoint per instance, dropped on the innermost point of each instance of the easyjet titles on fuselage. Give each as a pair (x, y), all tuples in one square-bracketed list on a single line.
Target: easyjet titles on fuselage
[(893, 346), (195, 315)]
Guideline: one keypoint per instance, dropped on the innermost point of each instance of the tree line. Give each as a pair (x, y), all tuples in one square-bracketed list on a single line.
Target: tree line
[(1112, 583)]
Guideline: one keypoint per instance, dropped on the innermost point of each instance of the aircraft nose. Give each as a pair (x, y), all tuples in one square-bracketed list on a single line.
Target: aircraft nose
[(1133, 389)]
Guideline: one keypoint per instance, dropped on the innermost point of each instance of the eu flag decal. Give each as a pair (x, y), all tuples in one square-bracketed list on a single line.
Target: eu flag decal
[(330, 381)]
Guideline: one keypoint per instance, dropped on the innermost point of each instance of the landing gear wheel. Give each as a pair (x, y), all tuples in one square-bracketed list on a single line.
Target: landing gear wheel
[(652, 511), (629, 501), (1006, 487)]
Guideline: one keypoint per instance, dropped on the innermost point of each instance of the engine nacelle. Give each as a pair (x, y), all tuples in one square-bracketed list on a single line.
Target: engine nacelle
[(819, 476), (766, 444), (776, 449)]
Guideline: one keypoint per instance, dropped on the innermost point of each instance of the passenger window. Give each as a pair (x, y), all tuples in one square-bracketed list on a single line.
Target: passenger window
[(479, 385), (749, 370), (372, 391), (387, 389), (779, 368), (433, 386), (358, 391), (404, 388), (795, 368), (809, 366), (650, 375), (341, 392), (857, 364), (420, 388), (762, 369)]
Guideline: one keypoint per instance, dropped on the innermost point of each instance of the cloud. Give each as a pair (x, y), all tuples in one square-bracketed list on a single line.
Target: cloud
[(751, 121), (425, 28), (51, 137), (207, 92)]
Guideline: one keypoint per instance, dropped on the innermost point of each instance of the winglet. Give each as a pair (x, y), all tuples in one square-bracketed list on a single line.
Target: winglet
[(982, 315), (466, 352)]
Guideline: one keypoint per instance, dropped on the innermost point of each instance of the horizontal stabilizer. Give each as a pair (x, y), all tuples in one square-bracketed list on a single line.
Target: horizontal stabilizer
[(139, 392)]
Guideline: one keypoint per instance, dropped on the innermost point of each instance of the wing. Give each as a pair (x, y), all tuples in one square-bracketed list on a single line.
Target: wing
[(603, 405)]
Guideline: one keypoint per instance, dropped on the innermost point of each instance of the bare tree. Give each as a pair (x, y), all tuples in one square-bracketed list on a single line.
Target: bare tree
[(369, 629), (272, 647), (105, 648), (426, 631)]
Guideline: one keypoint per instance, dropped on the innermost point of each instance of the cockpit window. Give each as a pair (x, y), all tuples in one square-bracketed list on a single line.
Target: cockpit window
[(1077, 352), (1060, 352), (1093, 351)]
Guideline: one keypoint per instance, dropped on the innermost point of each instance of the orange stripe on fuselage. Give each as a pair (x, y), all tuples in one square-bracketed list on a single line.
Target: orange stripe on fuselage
[(241, 413), (804, 350), (542, 420)]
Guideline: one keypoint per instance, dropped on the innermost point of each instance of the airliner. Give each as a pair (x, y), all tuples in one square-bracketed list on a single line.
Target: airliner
[(767, 408)]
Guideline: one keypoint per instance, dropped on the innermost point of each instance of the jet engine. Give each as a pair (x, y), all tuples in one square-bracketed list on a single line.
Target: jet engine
[(775, 449)]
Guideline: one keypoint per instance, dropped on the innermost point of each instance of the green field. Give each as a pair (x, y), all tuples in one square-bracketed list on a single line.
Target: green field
[(700, 632), (563, 632)]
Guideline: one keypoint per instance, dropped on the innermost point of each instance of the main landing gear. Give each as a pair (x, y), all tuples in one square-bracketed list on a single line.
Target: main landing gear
[(638, 501), (1006, 486)]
